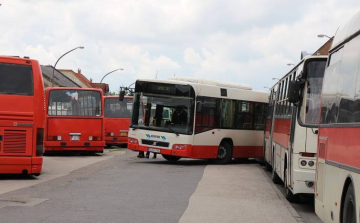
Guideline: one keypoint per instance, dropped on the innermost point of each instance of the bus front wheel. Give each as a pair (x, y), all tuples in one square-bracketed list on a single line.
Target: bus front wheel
[(349, 208), (224, 154), (171, 158)]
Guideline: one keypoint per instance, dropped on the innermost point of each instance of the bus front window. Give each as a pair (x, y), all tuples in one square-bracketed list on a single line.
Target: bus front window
[(163, 113)]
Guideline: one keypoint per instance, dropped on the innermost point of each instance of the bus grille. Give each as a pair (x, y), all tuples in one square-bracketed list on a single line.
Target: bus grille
[(155, 143), (14, 141)]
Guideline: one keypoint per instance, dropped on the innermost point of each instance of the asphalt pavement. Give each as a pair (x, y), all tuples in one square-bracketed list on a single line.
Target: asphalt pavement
[(119, 187)]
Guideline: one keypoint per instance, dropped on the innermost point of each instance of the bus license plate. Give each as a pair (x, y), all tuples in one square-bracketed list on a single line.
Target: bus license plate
[(122, 133), (153, 150), (75, 138)]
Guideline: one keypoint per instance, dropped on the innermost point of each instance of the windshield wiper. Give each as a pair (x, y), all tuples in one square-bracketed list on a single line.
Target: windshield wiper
[(172, 130)]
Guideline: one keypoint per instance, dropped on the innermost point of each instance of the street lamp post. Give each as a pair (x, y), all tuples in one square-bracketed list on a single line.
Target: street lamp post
[(110, 73), (290, 64), (274, 78), (268, 88), (323, 35), (52, 78)]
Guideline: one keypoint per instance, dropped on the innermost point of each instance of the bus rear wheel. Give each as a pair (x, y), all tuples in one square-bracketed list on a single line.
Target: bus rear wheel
[(274, 176), (224, 154), (171, 158), (349, 210)]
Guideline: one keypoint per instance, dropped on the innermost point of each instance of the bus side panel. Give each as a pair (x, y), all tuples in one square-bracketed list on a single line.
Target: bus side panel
[(246, 143), (282, 131)]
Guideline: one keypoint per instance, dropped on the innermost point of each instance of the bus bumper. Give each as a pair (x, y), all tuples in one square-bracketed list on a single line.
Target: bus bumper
[(301, 180), (19, 165), (116, 140), (90, 146), (173, 152)]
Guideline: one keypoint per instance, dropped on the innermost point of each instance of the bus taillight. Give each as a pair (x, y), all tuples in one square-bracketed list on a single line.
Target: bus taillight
[(39, 141), (307, 154)]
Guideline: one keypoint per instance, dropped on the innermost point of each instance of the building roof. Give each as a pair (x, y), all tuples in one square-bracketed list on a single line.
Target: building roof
[(324, 49), (78, 75), (59, 78), (103, 86)]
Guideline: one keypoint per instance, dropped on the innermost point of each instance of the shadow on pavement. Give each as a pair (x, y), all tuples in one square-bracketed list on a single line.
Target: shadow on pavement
[(190, 162), (17, 177), (69, 153)]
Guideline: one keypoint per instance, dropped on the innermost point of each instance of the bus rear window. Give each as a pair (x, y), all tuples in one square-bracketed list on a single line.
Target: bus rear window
[(74, 103), (118, 109), (16, 79)]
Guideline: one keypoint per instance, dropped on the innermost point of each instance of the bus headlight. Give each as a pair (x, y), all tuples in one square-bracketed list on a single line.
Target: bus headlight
[(132, 140), (179, 146), (311, 163), (59, 138), (111, 134), (90, 138)]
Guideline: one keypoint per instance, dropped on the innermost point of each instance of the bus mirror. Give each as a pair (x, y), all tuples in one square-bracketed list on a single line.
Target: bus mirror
[(294, 92), (121, 95)]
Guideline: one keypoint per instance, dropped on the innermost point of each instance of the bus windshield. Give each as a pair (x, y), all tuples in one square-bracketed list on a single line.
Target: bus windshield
[(74, 103), (16, 79), (163, 113), (315, 74), (118, 109)]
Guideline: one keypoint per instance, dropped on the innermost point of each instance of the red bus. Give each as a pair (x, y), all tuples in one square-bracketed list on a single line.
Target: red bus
[(74, 120), (21, 116), (337, 189), (117, 120)]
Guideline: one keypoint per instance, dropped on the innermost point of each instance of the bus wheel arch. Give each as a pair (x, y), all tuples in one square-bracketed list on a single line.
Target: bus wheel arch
[(348, 195), (225, 151)]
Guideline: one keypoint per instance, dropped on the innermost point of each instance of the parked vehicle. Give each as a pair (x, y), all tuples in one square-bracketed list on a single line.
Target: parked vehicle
[(337, 191), (21, 116), (75, 120), (117, 120), (291, 127)]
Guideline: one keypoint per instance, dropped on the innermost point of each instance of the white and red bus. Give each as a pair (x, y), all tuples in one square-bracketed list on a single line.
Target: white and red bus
[(117, 120), (22, 116), (337, 191), (75, 120), (291, 129), (197, 118)]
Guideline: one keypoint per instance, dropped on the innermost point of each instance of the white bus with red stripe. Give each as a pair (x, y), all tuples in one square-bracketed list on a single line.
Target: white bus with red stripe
[(337, 189), (196, 118)]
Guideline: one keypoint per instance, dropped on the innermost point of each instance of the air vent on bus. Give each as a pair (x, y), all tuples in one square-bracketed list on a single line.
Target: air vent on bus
[(14, 141)]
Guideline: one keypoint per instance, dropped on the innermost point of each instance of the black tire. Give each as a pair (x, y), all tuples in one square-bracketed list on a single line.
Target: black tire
[(171, 158), (274, 177), (289, 194), (108, 146), (349, 208), (224, 154), (268, 167)]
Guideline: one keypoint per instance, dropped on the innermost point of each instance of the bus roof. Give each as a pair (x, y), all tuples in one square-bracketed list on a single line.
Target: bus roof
[(214, 91), (347, 31), (14, 58), (74, 88), (298, 68), (213, 82)]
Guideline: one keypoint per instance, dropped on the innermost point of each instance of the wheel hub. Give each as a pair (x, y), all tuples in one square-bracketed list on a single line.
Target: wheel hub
[(221, 152)]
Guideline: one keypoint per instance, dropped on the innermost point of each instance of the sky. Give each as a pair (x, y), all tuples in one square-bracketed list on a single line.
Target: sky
[(244, 41)]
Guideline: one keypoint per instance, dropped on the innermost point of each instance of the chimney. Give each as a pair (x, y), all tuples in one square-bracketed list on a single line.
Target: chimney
[(79, 71)]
